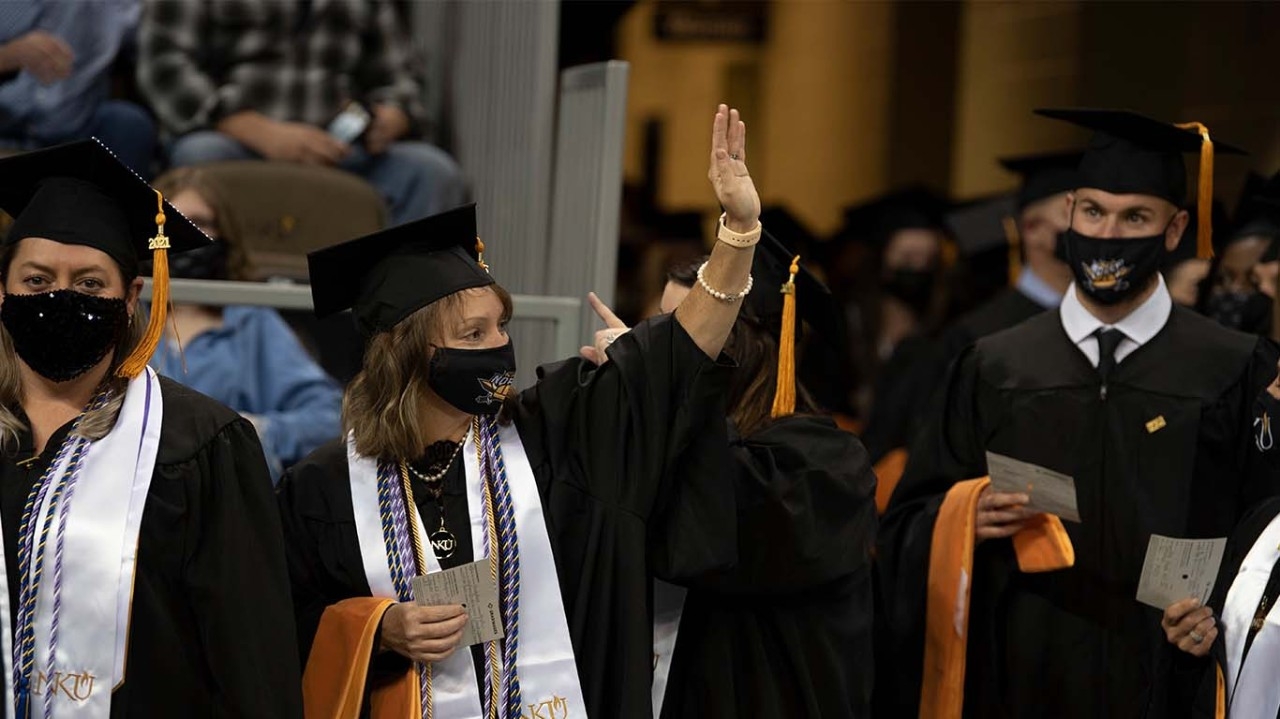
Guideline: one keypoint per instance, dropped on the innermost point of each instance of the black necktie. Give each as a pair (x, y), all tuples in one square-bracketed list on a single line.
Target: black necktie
[(1108, 341)]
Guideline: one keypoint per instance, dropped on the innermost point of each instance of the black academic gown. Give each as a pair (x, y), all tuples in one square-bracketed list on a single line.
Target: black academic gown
[(210, 633), (919, 370), (1075, 643), (629, 462), (787, 632)]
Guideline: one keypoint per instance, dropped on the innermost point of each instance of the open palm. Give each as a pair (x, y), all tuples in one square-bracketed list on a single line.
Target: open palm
[(728, 172)]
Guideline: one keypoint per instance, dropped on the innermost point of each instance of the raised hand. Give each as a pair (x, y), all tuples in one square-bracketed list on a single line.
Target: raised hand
[(728, 173), (613, 329)]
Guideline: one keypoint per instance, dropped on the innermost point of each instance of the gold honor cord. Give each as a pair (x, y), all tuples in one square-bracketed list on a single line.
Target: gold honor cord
[(420, 567)]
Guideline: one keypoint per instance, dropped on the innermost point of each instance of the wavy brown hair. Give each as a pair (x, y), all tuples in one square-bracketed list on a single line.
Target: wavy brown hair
[(382, 407)]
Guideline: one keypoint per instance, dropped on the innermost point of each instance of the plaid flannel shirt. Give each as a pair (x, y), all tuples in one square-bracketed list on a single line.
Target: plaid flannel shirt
[(201, 60)]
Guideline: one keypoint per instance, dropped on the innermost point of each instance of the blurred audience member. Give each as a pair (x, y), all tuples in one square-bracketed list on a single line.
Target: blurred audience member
[(893, 324), (319, 83), (55, 63), (1232, 297), (245, 357)]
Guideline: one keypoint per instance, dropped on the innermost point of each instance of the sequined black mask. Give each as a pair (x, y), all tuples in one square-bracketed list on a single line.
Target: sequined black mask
[(63, 334)]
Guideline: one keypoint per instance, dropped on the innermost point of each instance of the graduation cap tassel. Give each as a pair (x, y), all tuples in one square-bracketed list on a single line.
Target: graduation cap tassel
[(1015, 248), (1204, 195), (784, 396), (137, 360)]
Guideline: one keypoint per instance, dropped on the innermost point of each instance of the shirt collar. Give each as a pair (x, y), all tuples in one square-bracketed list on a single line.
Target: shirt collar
[(1140, 325), (1037, 290)]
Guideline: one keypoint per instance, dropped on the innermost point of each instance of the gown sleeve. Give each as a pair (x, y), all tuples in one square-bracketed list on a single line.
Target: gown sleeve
[(236, 577), (644, 434), (949, 449)]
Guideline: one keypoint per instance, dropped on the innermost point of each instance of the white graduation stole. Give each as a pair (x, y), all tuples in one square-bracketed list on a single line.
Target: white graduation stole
[(545, 662), (98, 565), (1253, 690)]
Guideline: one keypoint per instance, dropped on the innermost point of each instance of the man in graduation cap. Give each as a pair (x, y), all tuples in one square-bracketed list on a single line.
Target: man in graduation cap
[(144, 570), (1148, 407), (787, 631), (570, 494)]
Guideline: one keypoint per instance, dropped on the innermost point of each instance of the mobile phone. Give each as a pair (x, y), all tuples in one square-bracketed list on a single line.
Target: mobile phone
[(351, 123)]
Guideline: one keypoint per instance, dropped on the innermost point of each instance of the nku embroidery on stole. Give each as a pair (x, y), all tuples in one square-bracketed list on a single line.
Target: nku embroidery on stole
[(553, 708)]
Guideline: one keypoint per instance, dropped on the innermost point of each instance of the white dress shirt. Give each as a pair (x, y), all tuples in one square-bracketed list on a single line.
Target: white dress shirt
[(1138, 326)]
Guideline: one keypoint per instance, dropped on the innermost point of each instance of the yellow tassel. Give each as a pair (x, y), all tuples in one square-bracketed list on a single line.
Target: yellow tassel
[(1204, 194), (784, 396), (1015, 248), (136, 362)]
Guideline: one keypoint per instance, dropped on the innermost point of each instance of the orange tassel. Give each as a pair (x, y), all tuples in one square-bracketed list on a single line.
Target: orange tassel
[(1015, 248), (480, 254), (1204, 194), (784, 396), (137, 360)]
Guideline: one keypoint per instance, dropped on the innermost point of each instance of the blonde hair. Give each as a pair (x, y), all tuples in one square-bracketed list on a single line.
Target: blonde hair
[(382, 407), (198, 180), (97, 423)]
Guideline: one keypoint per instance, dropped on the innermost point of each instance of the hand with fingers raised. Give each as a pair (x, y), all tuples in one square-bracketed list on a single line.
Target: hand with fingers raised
[(728, 172), (613, 329)]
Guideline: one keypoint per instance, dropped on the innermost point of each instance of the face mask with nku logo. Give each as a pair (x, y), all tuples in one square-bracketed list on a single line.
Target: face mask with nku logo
[(474, 381)]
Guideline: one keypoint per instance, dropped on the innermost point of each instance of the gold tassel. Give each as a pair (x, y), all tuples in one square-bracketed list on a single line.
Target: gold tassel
[(1204, 195), (784, 396), (136, 362), (480, 254), (1015, 248)]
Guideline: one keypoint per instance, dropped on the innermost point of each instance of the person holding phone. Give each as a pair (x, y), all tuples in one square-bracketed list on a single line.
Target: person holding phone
[(315, 83)]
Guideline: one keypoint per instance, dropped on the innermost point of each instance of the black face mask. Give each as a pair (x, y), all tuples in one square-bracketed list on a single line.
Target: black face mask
[(63, 334), (206, 263), (474, 381), (913, 287), (1113, 270), (1245, 311)]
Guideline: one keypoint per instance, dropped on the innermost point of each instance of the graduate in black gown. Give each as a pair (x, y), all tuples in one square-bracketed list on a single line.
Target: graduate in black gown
[(1148, 407), (614, 472), (157, 567), (787, 631), (1042, 279)]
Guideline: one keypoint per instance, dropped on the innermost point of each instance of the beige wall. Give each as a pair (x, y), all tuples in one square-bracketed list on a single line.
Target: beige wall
[(815, 98), (1013, 57)]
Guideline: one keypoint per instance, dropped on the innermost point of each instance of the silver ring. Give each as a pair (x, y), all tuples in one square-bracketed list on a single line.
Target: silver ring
[(1196, 637), (612, 338)]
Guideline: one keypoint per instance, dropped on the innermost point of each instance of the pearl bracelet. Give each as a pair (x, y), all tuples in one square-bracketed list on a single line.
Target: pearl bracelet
[(721, 295), (741, 240)]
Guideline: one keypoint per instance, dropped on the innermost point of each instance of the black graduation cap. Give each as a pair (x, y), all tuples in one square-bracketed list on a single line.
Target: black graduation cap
[(388, 275), (1258, 211), (785, 293), (770, 270), (80, 194), (910, 208), (1044, 174), (1134, 154)]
